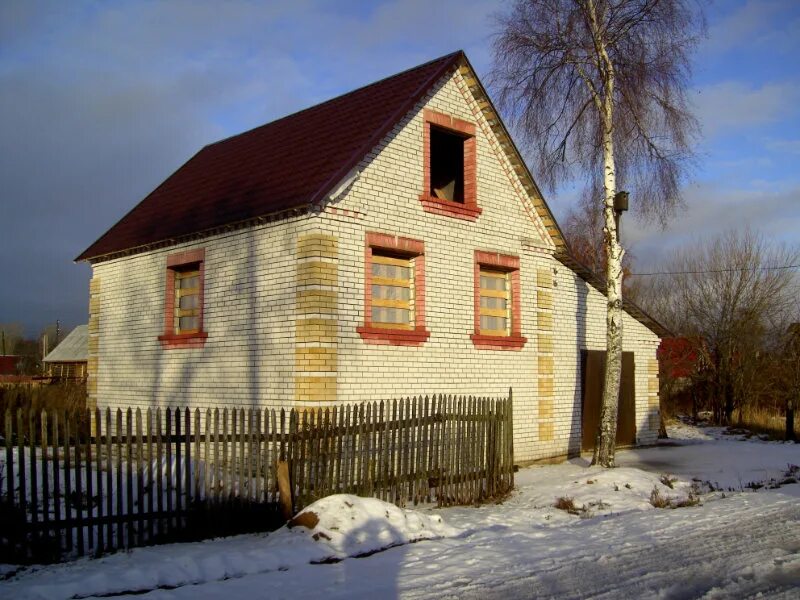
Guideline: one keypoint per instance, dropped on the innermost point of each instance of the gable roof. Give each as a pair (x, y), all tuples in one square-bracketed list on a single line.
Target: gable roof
[(293, 162), (288, 163), (73, 348)]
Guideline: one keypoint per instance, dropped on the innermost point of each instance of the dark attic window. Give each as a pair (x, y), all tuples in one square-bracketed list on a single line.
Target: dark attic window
[(447, 165)]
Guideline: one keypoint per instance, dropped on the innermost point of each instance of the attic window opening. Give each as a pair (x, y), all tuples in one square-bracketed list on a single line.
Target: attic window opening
[(447, 165)]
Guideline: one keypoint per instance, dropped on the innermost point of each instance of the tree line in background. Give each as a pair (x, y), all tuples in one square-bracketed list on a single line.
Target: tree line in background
[(731, 303), (29, 350)]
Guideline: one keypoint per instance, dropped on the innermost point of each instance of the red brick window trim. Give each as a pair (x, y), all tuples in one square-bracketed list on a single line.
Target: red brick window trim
[(185, 280), (468, 209), (500, 272), (403, 315)]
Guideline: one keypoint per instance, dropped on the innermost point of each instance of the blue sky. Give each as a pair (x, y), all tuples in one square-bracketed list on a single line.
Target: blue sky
[(100, 102)]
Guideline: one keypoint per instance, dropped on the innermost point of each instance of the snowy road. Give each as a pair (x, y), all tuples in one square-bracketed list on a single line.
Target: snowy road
[(736, 547), (737, 544)]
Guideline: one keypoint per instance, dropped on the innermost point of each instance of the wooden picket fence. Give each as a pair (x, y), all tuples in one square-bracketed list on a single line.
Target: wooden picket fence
[(98, 480)]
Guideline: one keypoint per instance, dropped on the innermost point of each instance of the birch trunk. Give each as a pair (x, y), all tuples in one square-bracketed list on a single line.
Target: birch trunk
[(605, 444)]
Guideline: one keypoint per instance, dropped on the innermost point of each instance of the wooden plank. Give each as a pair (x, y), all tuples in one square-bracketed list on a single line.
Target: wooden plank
[(10, 458), (350, 425), (189, 463), (208, 493), (412, 452), (340, 462), (33, 464), (459, 455), (173, 420), (109, 483), (284, 490), (242, 479), (102, 534), (293, 453), (22, 476), (301, 462), (225, 492), (365, 449), (161, 526), (256, 450), (274, 453), (121, 542), (140, 500), (43, 444), (86, 425), (196, 495), (233, 492), (382, 453), (178, 466), (78, 498), (215, 464), (68, 477), (57, 496), (148, 468), (129, 455)]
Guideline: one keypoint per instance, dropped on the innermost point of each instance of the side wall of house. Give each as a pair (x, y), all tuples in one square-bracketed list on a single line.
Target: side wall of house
[(384, 199), (544, 373), (249, 316)]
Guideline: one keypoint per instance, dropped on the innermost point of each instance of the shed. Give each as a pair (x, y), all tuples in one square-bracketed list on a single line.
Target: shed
[(68, 360)]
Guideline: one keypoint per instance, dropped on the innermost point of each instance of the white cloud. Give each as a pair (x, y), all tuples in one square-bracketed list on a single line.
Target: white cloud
[(733, 106), (773, 208), (756, 22)]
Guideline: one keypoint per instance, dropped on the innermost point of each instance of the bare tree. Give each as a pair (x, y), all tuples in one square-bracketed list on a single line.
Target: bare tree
[(731, 298), (598, 88)]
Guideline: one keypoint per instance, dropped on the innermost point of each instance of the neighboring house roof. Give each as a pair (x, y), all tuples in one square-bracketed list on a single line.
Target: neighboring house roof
[(74, 347), (291, 163)]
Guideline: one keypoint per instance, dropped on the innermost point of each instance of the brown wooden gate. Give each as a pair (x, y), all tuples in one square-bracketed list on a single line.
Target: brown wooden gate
[(593, 365)]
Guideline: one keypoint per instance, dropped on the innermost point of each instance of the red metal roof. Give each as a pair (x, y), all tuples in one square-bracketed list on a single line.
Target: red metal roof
[(288, 163)]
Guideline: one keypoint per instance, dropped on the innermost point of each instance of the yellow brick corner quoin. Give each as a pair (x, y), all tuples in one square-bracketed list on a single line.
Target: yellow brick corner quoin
[(316, 366)]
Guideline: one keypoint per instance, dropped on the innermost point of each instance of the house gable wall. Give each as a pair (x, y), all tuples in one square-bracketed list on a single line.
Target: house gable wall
[(544, 372), (283, 303)]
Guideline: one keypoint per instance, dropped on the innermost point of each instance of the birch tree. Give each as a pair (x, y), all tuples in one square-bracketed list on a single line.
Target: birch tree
[(597, 88)]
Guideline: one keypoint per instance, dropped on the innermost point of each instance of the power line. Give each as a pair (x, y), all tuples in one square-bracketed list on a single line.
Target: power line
[(731, 270)]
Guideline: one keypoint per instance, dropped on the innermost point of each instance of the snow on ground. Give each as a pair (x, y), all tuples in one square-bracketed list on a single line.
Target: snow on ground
[(740, 543)]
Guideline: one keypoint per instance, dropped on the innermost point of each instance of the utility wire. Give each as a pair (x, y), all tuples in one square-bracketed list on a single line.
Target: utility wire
[(731, 270)]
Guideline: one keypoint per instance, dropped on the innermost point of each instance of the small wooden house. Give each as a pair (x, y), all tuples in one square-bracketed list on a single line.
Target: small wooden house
[(68, 361)]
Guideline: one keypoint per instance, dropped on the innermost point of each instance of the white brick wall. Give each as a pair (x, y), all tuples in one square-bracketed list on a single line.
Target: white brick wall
[(250, 290), (248, 358), (386, 198)]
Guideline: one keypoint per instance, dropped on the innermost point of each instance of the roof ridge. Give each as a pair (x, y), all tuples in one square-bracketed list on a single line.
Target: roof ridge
[(335, 98)]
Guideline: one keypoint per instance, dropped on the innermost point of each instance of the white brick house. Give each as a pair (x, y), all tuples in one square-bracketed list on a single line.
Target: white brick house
[(387, 243)]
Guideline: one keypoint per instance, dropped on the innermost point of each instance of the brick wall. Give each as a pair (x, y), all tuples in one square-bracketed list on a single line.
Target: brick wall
[(560, 313), (284, 301), (250, 299)]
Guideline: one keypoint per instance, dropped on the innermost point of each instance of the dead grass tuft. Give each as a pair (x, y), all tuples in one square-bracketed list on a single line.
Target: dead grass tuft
[(567, 504), (660, 501)]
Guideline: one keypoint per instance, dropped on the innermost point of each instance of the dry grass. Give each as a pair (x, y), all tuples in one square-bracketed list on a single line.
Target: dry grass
[(567, 504), (659, 501), (766, 421), (65, 398)]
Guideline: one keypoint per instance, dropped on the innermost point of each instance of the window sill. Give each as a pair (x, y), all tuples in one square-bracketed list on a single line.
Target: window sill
[(393, 337), (186, 340), (448, 208), (496, 342)]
